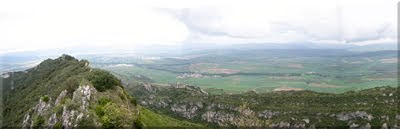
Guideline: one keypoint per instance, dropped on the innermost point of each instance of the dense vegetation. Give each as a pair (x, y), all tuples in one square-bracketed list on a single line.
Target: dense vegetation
[(110, 115), (23, 89), (150, 119), (373, 107), (102, 80)]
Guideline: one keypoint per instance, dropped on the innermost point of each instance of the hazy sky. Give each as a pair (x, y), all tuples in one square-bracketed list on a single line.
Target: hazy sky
[(45, 24)]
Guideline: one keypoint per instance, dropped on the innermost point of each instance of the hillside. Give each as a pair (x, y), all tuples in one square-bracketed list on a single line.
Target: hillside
[(67, 93), (371, 108)]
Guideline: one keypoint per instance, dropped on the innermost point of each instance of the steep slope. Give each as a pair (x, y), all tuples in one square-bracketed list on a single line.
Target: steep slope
[(371, 108), (150, 119), (66, 92)]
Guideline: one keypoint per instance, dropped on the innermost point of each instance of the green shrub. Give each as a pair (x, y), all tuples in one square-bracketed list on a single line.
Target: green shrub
[(58, 125), (112, 116), (122, 96), (58, 109), (103, 101), (139, 124), (133, 101), (102, 80), (99, 109), (71, 84), (45, 98), (71, 105), (38, 122), (86, 123)]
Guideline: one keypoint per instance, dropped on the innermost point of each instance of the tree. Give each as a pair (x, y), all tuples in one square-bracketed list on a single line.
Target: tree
[(103, 80)]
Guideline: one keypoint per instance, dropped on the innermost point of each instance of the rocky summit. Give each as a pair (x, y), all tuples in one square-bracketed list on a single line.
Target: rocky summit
[(64, 93)]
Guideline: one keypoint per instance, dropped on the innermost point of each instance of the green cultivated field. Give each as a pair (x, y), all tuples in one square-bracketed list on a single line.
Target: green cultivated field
[(264, 71)]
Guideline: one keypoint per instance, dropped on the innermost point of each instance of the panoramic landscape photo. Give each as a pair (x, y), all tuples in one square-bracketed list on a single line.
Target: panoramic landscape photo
[(199, 64)]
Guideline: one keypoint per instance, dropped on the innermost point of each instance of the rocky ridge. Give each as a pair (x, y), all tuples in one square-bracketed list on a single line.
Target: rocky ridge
[(60, 93), (247, 110)]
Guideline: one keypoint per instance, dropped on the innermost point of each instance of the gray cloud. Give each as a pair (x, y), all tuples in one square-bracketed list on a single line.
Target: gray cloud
[(328, 25), (43, 24)]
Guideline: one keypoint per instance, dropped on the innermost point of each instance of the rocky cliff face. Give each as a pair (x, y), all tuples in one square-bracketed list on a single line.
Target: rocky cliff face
[(69, 112), (302, 109), (66, 117)]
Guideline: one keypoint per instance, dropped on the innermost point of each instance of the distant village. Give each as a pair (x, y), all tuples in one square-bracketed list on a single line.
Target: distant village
[(195, 75)]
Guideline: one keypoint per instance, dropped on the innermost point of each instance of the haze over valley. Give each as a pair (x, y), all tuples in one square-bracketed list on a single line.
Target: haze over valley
[(199, 64)]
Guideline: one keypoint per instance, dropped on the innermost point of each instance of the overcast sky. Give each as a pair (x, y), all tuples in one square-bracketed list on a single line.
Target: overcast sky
[(44, 24)]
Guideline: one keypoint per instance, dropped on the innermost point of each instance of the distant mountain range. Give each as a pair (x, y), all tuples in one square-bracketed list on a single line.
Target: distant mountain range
[(22, 60)]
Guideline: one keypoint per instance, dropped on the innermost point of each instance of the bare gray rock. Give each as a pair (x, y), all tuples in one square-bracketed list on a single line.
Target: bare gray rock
[(187, 111), (52, 120), (385, 118), (67, 117), (384, 126), (161, 104), (354, 126), (220, 118), (353, 115), (42, 107), (247, 112), (268, 114), (367, 126), (306, 120), (148, 87), (60, 97), (82, 95), (26, 122)]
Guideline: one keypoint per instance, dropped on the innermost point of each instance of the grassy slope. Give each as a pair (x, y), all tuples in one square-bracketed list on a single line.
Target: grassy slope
[(151, 119)]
